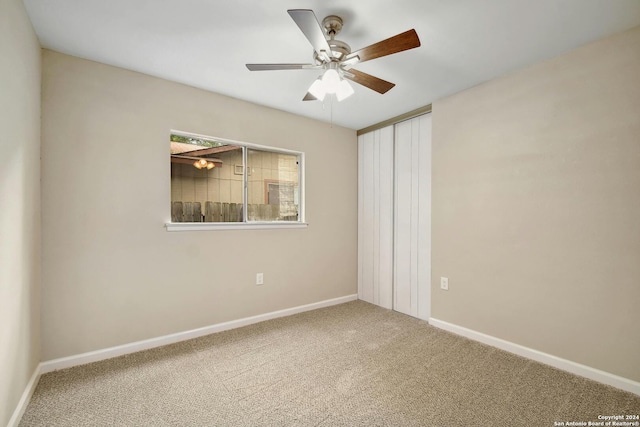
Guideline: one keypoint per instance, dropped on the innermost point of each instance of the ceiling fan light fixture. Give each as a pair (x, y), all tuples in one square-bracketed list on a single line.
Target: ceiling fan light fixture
[(331, 79), (203, 164), (344, 90), (331, 83), (318, 89)]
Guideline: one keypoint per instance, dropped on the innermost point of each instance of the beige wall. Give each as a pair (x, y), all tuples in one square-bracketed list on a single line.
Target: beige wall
[(111, 273), (19, 204), (536, 206)]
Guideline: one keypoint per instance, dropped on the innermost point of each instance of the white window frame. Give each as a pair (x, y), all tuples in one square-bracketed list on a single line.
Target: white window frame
[(245, 225)]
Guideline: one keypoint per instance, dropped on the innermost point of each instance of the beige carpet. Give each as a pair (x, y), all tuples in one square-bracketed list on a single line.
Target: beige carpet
[(349, 365)]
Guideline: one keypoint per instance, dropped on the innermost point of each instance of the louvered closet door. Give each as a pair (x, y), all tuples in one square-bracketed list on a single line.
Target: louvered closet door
[(412, 225), (375, 217)]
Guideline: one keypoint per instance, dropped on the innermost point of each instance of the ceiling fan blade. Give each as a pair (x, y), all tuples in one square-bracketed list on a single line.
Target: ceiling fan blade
[(310, 27), (267, 67), (309, 97), (401, 42), (367, 80)]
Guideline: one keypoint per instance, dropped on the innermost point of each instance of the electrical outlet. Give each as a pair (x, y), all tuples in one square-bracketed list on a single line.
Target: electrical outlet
[(444, 283), (259, 279)]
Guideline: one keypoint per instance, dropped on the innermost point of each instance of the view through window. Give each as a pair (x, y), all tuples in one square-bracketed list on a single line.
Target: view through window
[(216, 181)]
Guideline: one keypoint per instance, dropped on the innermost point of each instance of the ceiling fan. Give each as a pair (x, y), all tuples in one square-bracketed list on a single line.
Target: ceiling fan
[(336, 59)]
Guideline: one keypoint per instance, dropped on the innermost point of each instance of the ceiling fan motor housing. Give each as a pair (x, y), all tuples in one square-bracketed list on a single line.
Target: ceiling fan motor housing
[(332, 25), (339, 50)]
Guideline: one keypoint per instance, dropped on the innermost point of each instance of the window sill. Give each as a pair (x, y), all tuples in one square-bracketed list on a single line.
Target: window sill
[(204, 226)]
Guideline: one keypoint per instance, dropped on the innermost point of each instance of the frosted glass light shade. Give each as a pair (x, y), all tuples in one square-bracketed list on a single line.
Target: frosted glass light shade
[(331, 82), (344, 90), (318, 89), (331, 79)]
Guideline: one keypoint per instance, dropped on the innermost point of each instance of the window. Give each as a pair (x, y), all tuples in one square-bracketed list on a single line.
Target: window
[(227, 183)]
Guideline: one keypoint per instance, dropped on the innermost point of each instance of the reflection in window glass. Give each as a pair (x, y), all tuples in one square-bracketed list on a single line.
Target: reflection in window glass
[(208, 182), (273, 191), (205, 185)]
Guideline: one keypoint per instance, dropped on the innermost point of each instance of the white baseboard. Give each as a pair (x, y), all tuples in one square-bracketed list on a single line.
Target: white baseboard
[(107, 353), (548, 359), (25, 398)]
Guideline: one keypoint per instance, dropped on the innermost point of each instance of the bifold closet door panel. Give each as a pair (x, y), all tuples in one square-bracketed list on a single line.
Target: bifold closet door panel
[(375, 217), (412, 258), (424, 222), (403, 213), (365, 217), (384, 284)]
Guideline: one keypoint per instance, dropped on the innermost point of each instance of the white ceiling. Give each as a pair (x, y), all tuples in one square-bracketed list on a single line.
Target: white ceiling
[(206, 43)]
